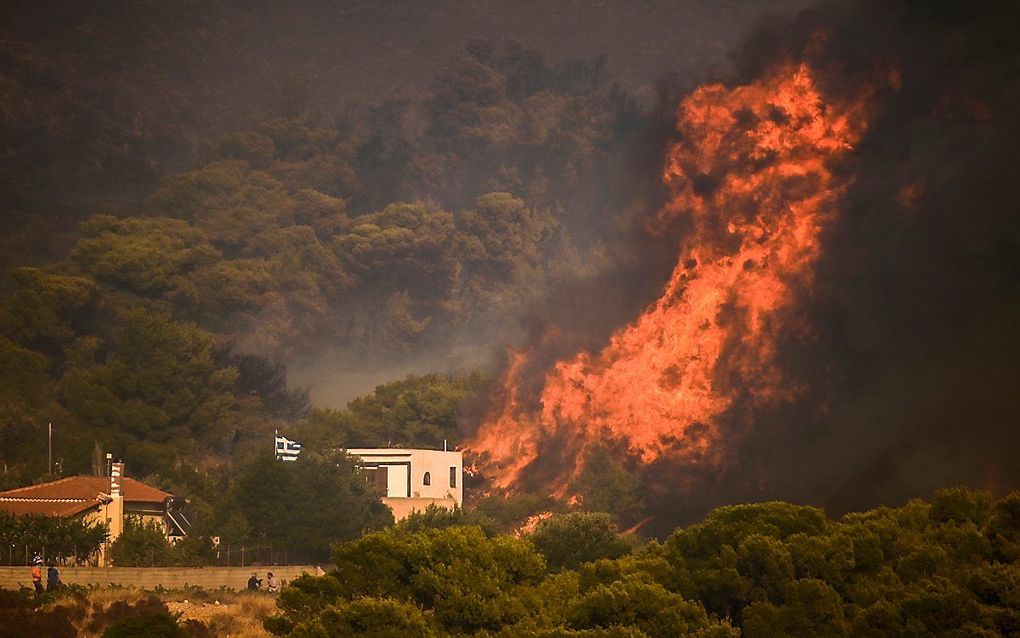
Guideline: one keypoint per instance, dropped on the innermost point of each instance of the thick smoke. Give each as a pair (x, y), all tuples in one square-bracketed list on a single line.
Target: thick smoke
[(912, 365), (907, 343)]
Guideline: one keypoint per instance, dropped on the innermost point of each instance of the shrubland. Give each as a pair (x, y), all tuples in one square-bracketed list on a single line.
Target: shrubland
[(945, 567)]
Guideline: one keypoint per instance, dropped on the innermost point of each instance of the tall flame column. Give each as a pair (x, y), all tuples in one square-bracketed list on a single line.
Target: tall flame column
[(753, 176)]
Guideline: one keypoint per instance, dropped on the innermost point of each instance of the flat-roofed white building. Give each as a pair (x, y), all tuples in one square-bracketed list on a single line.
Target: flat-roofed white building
[(414, 479)]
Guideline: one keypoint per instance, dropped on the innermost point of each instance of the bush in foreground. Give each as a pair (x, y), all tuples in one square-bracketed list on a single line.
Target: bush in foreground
[(948, 567)]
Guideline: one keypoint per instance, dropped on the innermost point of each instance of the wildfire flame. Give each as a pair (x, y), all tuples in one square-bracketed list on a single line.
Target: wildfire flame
[(753, 171)]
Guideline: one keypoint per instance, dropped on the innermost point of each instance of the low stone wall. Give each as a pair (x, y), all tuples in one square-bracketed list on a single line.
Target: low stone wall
[(152, 577)]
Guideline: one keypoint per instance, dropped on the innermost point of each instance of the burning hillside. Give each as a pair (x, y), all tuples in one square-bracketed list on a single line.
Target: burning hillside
[(753, 173)]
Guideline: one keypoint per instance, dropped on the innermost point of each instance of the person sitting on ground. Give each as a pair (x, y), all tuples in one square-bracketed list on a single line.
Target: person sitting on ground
[(37, 576), (254, 583), (271, 584), (52, 577)]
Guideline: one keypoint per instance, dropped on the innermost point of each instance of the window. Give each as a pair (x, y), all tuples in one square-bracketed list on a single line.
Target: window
[(378, 476), (453, 477), (427, 479)]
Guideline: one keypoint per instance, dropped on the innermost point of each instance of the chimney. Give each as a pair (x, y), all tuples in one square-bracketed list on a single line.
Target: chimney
[(116, 474), (115, 509)]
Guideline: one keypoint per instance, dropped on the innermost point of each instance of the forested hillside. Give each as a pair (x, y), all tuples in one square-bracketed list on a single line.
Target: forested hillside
[(224, 219), (160, 335), (98, 102), (160, 330)]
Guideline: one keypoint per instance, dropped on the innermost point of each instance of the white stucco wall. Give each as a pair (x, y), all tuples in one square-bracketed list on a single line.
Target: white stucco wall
[(436, 462), (396, 481)]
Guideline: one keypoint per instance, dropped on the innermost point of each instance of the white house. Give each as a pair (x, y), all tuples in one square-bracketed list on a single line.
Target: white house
[(414, 479)]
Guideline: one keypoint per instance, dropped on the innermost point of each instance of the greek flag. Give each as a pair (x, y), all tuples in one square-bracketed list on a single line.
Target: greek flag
[(286, 450)]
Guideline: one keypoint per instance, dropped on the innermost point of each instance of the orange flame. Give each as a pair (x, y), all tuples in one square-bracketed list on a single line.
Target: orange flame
[(753, 170)]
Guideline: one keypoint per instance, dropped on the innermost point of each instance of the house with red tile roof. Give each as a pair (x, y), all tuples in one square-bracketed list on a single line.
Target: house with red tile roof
[(99, 499)]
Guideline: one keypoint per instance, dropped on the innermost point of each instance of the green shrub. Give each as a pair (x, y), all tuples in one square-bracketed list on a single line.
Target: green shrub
[(568, 540), (158, 625)]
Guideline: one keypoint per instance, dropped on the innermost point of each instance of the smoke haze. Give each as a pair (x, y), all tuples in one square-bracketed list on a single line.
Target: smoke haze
[(372, 189), (912, 366), (911, 359), (918, 299)]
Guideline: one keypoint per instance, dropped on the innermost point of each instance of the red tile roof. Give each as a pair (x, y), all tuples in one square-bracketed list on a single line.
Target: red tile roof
[(75, 494), (46, 508)]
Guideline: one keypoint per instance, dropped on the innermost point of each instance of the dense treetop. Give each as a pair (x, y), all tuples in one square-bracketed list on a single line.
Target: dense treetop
[(942, 568), (160, 332)]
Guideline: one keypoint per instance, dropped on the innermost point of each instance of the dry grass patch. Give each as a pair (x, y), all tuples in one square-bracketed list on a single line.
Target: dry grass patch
[(238, 615), (226, 613)]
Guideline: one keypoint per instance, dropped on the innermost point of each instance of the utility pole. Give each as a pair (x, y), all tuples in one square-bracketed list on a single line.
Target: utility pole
[(49, 449)]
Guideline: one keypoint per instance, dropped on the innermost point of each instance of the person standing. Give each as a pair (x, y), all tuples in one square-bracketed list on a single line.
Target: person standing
[(52, 577), (271, 585), (37, 576)]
